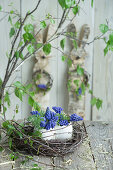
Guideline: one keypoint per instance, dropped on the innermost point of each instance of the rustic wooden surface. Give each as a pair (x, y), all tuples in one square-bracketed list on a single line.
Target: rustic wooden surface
[(94, 153), (59, 94), (95, 62)]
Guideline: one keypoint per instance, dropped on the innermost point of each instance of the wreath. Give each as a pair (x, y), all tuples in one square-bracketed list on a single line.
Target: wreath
[(42, 87)]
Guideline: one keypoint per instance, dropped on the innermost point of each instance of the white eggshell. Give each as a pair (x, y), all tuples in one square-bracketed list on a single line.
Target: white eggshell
[(63, 132), (47, 134)]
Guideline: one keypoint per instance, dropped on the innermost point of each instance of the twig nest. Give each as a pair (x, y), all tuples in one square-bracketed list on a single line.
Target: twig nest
[(63, 132)]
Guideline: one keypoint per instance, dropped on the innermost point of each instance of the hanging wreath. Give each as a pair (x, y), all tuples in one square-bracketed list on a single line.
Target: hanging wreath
[(39, 87)]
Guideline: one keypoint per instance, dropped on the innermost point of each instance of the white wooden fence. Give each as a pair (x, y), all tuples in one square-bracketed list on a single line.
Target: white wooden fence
[(99, 67)]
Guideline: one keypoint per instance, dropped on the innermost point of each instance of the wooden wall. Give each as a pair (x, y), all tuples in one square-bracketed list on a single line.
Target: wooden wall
[(99, 67)]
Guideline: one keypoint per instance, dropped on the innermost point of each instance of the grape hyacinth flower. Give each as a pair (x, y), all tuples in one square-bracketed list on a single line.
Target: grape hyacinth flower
[(48, 114), (63, 122), (42, 86), (57, 109), (51, 119), (43, 124), (79, 91), (35, 113), (50, 124), (75, 117)]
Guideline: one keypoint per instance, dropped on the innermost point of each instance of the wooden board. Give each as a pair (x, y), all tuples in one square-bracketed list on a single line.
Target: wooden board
[(95, 153), (5, 45), (103, 66), (27, 69), (101, 142)]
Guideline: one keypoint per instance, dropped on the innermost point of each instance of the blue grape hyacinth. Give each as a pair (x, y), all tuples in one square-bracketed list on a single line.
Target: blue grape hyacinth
[(35, 113), (63, 122), (50, 120), (43, 124), (42, 86), (79, 91), (75, 117), (48, 114), (57, 109)]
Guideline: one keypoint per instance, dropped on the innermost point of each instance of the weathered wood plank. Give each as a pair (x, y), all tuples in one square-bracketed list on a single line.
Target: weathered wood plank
[(103, 66), (81, 159), (86, 16), (46, 163), (5, 45), (47, 6), (101, 141)]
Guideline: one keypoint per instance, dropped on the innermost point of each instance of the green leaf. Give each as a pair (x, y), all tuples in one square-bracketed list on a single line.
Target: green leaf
[(1, 149), (19, 93), (64, 58), (92, 3), (12, 32), (39, 45), (90, 91), (105, 50), (69, 62), (18, 84), (28, 28), (10, 143), (17, 108), (43, 24), (31, 49), (17, 25), (62, 3), (28, 37), (76, 82), (62, 43), (0, 82), (93, 101), (32, 93), (11, 127), (80, 70), (4, 110), (52, 21), (25, 141), (98, 104), (11, 12), (47, 48), (20, 43), (69, 3), (83, 88), (5, 124), (75, 44), (30, 101), (36, 168), (66, 3), (0, 7), (17, 54), (10, 19), (76, 9), (111, 39), (7, 99), (103, 28), (19, 134), (28, 86)]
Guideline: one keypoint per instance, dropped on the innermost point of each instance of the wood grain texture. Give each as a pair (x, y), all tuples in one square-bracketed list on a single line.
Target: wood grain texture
[(45, 7), (101, 142), (103, 66), (86, 16), (95, 153), (5, 45)]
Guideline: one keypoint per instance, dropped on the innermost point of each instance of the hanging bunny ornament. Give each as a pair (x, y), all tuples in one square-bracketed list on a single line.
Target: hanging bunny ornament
[(42, 78), (77, 56)]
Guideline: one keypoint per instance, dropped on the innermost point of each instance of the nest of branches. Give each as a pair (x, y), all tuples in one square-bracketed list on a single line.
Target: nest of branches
[(43, 147)]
